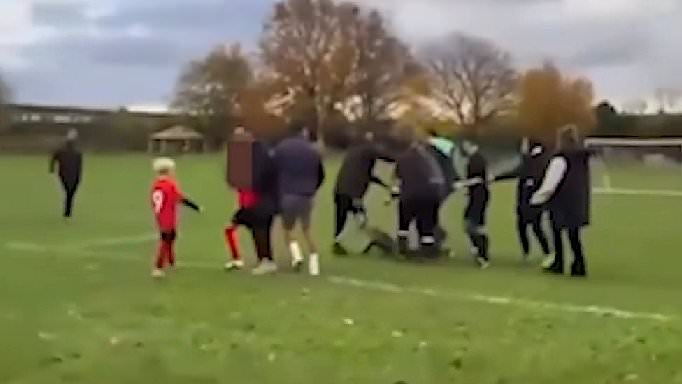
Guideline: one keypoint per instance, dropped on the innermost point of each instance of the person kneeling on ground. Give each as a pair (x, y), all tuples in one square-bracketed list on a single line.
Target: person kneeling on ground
[(353, 181)]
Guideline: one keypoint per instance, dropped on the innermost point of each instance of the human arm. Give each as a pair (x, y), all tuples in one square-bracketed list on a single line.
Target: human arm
[(555, 173), (54, 159), (190, 204)]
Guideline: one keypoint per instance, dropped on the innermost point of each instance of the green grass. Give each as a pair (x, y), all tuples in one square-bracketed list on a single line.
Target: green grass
[(78, 308)]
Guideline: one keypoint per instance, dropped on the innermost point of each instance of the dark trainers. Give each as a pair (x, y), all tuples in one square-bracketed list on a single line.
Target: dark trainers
[(339, 250)]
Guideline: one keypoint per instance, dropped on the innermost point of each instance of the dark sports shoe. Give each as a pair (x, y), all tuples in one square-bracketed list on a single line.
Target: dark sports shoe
[(578, 270), (555, 268), (339, 250)]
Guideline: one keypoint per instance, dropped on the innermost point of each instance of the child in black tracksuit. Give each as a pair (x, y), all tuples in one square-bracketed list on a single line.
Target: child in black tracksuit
[(529, 174), (479, 196)]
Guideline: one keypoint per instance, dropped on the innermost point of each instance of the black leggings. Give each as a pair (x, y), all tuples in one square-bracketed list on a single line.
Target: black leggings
[(263, 242), (533, 220), (70, 189), (575, 241)]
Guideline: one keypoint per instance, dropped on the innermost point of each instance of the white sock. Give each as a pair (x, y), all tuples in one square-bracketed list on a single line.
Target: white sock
[(314, 264), (295, 250)]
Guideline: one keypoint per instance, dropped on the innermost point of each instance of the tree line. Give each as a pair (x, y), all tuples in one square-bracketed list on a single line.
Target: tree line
[(335, 65)]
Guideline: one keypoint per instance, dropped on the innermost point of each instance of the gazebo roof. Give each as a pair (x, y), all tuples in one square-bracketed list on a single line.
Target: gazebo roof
[(178, 132)]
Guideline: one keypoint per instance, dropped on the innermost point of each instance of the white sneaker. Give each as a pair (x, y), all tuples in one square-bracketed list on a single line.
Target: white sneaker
[(264, 268), (297, 263), (234, 265), (158, 273), (548, 261), (483, 263)]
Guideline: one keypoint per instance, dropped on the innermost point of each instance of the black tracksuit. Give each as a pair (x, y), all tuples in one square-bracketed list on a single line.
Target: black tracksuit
[(422, 187), (475, 212), (570, 209), (353, 181), (530, 173), (69, 161)]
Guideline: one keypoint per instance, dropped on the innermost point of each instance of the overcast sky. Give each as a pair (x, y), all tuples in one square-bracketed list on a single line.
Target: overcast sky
[(129, 52)]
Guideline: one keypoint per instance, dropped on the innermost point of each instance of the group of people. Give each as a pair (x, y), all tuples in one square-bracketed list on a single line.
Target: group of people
[(283, 181)]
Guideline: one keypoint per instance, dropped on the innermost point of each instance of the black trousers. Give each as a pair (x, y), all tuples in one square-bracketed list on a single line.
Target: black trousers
[(258, 219), (526, 217), (345, 205), (70, 188), (475, 222), (423, 211), (579, 266)]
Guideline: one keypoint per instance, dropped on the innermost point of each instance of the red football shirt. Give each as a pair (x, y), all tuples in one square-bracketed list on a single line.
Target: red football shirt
[(166, 196), (247, 199)]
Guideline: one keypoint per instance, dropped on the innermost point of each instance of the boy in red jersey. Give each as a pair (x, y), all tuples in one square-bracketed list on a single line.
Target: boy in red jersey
[(165, 198)]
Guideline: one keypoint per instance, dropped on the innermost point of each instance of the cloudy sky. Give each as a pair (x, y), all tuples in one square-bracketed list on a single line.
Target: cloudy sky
[(129, 52)]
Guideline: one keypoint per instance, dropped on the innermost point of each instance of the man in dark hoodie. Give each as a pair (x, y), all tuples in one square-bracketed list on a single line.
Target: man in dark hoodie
[(353, 181), (529, 172), (68, 161), (300, 175)]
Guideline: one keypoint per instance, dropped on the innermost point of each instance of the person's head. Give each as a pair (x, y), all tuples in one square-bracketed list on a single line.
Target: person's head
[(568, 137), (164, 166), (239, 130), (71, 135), (298, 128), (468, 147), (369, 136)]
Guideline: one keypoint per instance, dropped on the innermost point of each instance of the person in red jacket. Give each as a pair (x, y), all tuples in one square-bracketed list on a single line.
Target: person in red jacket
[(165, 198)]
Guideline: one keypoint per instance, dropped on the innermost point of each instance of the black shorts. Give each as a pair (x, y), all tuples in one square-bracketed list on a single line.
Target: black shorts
[(258, 216), (169, 235)]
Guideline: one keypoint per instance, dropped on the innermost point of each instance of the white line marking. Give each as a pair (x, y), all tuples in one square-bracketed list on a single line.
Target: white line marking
[(503, 301), (382, 286), (638, 192)]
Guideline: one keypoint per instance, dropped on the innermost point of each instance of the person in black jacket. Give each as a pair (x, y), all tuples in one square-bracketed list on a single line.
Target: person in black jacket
[(353, 181), (477, 206), (421, 190), (529, 172), (69, 162), (566, 188), (443, 151)]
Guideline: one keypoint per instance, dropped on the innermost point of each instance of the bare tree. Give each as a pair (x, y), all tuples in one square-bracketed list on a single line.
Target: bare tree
[(667, 98), (302, 46), (470, 78), (635, 106), (209, 89), (381, 66), (5, 96)]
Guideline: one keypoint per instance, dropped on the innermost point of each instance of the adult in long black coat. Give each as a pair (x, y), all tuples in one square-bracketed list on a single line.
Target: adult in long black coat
[(566, 188), (68, 160)]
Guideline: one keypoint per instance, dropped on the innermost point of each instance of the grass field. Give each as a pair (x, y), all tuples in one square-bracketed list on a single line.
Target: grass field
[(77, 304)]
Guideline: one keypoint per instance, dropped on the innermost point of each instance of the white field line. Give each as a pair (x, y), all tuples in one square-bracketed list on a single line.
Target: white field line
[(381, 286), (637, 192)]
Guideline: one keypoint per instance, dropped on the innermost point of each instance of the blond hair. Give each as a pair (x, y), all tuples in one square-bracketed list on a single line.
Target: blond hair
[(163, 165)]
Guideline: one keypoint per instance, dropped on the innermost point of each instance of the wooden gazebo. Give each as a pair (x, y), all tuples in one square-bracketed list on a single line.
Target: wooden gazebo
[(177, 139)]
